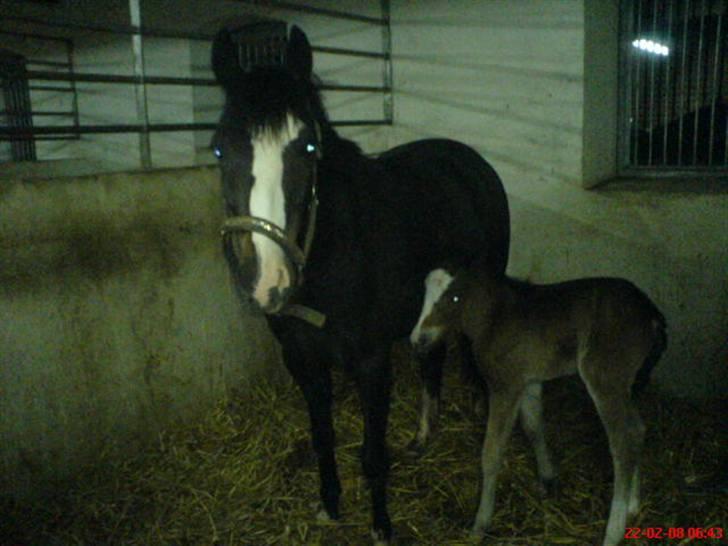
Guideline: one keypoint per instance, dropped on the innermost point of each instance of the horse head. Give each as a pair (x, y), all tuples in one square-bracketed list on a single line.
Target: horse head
[(268, 145)]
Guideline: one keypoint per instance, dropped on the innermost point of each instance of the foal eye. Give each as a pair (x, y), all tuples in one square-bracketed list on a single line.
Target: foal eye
[(310, 148), (455, 299), (217, 151)]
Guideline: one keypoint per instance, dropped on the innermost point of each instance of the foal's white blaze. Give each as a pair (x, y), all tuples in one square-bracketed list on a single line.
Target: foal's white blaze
[(436, 283), (268, 201)]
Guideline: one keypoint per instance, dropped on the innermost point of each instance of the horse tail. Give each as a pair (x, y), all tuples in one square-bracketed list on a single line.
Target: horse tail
[(659, 344)]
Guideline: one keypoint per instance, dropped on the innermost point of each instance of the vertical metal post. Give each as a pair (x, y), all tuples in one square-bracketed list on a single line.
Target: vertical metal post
[(74, 92), (668, 84), (653, 60), (699, 83), (140, 88), (683, 72), (714, 96), (388, 100), (637, 91)]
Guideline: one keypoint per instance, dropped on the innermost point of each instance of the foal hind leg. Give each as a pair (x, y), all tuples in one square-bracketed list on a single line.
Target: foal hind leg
[(625, 431), (502, 410), (634, 495), (431, 373), (532, 424)]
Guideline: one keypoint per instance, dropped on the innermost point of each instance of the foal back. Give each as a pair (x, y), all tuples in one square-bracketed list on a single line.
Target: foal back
[(604, 328)]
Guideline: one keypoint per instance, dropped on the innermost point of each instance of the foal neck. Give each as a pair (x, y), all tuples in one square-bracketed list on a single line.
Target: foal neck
[(485, 295)]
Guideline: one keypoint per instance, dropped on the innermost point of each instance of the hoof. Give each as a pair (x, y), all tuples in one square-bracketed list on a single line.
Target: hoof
[(322, 514), (415, 448), (477, 532), (378, 539), (550, 487)]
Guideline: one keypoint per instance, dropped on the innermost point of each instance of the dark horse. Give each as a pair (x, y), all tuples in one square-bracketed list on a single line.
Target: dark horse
[(334, 246)]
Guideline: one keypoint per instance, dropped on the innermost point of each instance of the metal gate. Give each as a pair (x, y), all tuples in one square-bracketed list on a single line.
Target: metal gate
[(674, 87), (15, 102), (26, 134)]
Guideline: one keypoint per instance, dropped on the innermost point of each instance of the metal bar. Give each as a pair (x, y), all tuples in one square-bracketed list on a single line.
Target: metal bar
[(167, 80), (715, 94), (387, 78), (356, 88), (359, 122), (113, 28), (140, 89), (48, 63), (292, 6), (116, 78), (653, 60), (668, 86), (624, 104), (698, 83), (636, 81), (71, 54), (50, 88), (683, 71), (19, 113), (28, 34), (69, 137), (348, 52), (8, 133)]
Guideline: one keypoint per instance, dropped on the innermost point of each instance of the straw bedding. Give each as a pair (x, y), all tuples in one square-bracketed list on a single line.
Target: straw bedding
[(245, 475)]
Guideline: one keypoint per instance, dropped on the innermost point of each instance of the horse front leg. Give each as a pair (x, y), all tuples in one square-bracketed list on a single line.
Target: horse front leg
[(314, 380), (374, 382)]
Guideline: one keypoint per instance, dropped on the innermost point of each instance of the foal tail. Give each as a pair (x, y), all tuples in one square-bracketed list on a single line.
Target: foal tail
[(659, 344)]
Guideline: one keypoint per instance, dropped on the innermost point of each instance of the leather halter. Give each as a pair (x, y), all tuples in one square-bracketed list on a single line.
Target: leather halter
[(296, 257)]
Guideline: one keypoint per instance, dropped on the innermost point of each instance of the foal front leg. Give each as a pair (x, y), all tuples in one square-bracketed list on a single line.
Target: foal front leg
[(373, 381), (532, 424), (502, 411), (431, 374)]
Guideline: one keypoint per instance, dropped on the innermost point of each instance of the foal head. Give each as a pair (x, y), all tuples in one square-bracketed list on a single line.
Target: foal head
[(268, 144), (441, 309)]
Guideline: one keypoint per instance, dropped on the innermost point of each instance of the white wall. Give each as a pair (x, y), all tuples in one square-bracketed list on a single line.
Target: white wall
[(532, 86)]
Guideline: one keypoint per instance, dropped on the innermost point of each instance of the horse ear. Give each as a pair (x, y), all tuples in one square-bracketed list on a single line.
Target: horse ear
[(299, 58), (225, 64)]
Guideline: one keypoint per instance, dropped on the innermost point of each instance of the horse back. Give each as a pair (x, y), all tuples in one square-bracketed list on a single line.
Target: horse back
[(454, 201)]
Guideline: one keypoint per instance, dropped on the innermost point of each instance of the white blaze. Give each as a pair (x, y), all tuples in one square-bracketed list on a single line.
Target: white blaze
[(436, 282), (268, 201)]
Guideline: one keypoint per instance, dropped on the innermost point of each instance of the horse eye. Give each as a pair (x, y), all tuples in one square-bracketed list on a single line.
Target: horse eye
[(218, 152), (455, 299), (310, 148)]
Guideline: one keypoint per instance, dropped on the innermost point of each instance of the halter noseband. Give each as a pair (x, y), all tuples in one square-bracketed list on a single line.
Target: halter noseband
[(296, 257)]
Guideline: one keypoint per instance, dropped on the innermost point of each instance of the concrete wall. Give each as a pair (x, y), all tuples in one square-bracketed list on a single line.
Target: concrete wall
[(116, 317), (533, 87)]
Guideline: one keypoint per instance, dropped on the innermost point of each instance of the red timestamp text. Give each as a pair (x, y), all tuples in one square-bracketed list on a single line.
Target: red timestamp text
[(674, 533)]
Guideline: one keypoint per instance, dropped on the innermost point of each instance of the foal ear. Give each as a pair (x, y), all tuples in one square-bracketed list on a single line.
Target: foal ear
[(299, 58), (225, 59)]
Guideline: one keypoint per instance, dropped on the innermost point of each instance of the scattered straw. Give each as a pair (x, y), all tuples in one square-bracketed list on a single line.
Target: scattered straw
[(246, 476)]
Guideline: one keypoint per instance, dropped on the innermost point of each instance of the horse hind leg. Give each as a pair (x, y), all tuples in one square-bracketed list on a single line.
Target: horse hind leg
[(531, 413), (431, 373), (625, 431)]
